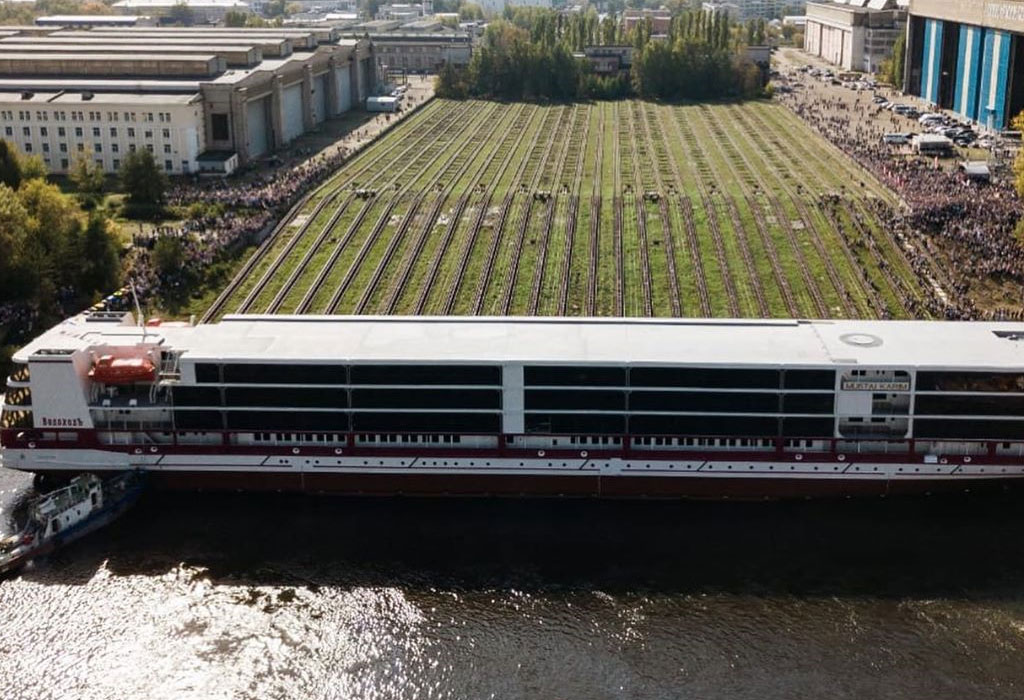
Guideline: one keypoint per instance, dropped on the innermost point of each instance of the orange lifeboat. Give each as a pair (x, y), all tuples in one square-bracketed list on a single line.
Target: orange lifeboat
[(122, 370)]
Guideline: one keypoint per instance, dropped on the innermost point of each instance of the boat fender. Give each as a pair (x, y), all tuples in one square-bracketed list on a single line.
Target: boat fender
[(944, 461), (798, 457), (337, 450), (841, 458), (967, 460), (152, 449), (32, 445), (583, 453), (540, 453), (295, 450), (138, 450)]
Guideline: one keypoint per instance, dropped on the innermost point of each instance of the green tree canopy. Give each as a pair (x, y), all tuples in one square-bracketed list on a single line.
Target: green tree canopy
[(143, 181), (88, 178)]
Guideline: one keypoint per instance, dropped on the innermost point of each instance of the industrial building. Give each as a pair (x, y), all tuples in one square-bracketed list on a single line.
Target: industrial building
[(746, 10), (194, 97), (853, 34), (968, 56)]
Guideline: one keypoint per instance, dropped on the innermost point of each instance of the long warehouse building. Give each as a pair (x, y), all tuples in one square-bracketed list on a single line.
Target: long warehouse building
[(968, 56), (200, 99)]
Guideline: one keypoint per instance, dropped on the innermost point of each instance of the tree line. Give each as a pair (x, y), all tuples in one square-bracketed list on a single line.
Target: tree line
[(534, 53)]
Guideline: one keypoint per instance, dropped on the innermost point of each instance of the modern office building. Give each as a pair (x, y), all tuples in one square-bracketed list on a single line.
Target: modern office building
[(968, 56)]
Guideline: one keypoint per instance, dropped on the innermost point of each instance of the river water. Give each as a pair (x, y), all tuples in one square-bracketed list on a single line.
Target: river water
[(271, 596)]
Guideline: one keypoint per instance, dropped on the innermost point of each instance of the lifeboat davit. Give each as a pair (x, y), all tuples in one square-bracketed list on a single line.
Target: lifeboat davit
[(122, 370)]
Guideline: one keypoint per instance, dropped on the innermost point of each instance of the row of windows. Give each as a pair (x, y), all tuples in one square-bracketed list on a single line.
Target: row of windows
[(715, 402), (640, 424), (435, 374), (96, 148), (338, 421), (945, 429), (76, 116), (1006, 382), (115, 163), (80, 132), (993, 405), (696, 377), (337, 398)]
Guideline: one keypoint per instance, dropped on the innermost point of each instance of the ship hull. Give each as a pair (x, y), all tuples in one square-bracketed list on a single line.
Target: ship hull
[(741, 488)]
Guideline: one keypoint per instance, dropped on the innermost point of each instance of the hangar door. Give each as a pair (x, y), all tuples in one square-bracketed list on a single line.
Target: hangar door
[(256, 112), (292, 104), (344, 88), (320, 111)]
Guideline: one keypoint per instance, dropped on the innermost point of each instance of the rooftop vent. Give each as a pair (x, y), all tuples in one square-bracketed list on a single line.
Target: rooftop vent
[(27, 95), (86, 96)]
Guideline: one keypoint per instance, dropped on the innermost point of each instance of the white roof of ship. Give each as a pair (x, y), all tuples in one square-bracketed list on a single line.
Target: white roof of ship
[(287, 339)]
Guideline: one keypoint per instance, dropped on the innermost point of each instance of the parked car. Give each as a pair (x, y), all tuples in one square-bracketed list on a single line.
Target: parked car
[(897, 139)]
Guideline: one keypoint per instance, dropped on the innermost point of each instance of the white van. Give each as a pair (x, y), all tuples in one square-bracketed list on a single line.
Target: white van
[(896, 139), (929, 118)]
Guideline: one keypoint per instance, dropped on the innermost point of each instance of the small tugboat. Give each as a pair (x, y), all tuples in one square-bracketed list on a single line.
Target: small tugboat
[(55, 519)]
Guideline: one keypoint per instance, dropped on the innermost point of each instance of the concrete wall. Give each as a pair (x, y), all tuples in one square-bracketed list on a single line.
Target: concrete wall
[(997, 14)]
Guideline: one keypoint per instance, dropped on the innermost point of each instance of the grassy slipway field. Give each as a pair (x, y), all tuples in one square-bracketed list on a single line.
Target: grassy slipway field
[(608, 208)]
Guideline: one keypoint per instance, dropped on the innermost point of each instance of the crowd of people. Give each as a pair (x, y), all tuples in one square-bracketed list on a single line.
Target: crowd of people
[(968, 228), (231, 214)]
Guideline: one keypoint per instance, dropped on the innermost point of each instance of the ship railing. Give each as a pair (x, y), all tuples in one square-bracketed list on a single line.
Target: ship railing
[(874, 446)]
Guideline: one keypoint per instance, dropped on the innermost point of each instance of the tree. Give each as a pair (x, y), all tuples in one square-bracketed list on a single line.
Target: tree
[(168, 255), (235, 18), (181, 14), (10, 165), (101, 269), (87, 177), (143, 181), (470, 11), (1018, 163)]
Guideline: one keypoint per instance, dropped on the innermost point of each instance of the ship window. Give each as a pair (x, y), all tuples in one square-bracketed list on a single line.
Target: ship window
[(646, 424), (991, 405), (809, 379), (207, 373), (291, 420), (284, 374), (561, 423), (198, 420), (949, 429), (808, 427), (704, 377), (540, 399), (426, 398), (808, 403), (285, 397), (710, 401), (427, 374), (574, 376), (195, 396), (1005, 382), (428, 422)]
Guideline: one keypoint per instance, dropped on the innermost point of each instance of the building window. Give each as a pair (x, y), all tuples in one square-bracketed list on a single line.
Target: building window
[(46, 148), (96, 132), (149, 133), (117, 163), (26, 130), (80, 147), (61, 131), (43, 131), (168, 166), (167, 133), (8, 131), (113, 132), (149, 147), (131, 147), (131, 132), (78, 131), (115, 147), (63, 163), (97, 148), (28, 147), (63, 147), (167, 148), (219, 122)]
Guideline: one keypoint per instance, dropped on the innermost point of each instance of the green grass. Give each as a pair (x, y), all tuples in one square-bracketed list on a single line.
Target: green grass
[(758, 166)]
